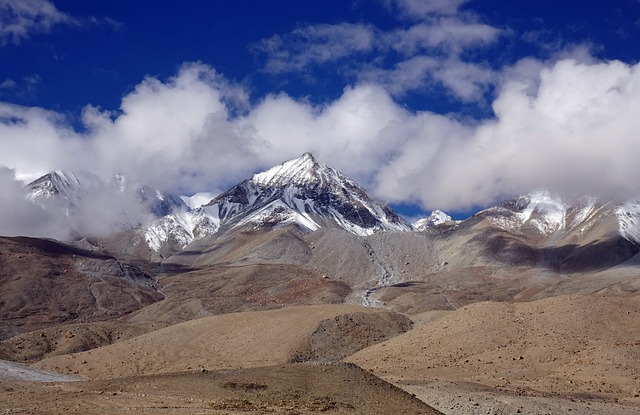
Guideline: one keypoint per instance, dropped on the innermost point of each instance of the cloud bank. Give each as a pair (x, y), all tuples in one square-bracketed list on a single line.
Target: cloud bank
[(567, 126)]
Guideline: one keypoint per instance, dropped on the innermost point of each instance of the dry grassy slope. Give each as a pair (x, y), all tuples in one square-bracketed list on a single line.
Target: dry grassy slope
[(45, 283), (571, 345), (239, 340), (244, 246), (454, 287)]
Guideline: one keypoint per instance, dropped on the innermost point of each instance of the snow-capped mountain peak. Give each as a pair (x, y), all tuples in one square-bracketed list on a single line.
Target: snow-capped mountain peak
[(538, 210), (55, 184), (301, 192), (311, 189)]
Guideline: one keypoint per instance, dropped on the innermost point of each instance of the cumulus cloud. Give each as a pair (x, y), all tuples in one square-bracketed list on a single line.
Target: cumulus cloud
[(36, 141), (354, 133), (20, 18), (571, 129)]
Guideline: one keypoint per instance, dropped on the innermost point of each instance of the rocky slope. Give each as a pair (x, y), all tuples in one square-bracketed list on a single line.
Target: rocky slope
[(46, 283)]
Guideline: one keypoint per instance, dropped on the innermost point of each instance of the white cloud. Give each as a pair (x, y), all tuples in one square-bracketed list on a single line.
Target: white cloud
[(8, 84), (407, 75), (24, 88), (567, 126), (450, 34), (35, 141), (417, 9), (354, 133), (468, 82), (171, 132), (315, 44), (20, 18)]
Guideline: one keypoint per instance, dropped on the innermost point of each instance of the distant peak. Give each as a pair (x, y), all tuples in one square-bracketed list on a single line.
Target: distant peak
[(437, 217)]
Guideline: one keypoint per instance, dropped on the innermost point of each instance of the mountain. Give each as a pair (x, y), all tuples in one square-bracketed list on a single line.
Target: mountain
[(92, 206), (436, 218), (161, 203), (543, 230), (298, 192), (74, 187), (549, 219), (537, 229)]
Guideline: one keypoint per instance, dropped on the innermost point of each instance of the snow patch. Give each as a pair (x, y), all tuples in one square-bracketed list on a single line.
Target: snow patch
[(280, 214), (628, 214)]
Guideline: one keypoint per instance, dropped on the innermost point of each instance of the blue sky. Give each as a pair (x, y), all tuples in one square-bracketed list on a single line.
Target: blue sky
[(427, 103)]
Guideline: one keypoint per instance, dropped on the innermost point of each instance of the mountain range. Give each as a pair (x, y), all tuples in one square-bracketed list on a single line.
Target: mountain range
[(299, 263), (309, 196)]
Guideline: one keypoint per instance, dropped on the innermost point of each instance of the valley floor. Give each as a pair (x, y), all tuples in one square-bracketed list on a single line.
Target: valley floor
[(560, 355)]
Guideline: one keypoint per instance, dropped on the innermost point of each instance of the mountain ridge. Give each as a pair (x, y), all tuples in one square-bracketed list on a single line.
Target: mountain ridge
[(298, 192), (306, 194)]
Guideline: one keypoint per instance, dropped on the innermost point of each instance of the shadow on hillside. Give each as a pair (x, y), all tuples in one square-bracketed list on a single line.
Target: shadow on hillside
[(571, 258), (52, 247)]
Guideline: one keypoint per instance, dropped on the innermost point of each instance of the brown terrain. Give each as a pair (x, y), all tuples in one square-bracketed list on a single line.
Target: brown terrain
[(477, 321)]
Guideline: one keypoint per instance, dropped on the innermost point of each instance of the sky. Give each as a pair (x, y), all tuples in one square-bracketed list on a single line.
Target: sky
[(429, 104)]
